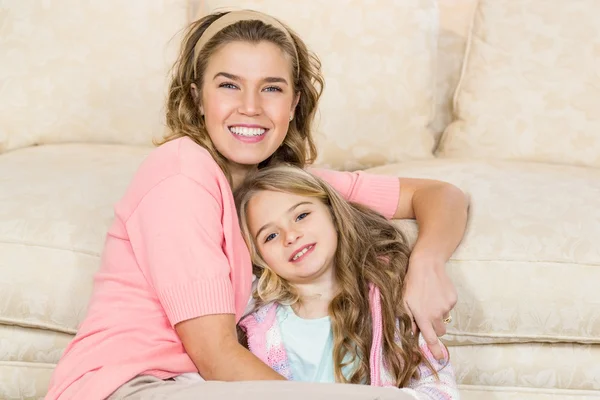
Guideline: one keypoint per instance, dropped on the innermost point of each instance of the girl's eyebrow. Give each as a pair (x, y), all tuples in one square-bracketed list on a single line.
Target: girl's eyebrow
[(291, 209)]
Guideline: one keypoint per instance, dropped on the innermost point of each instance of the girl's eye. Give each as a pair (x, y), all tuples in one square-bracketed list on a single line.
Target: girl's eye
[(301, 216), (273, 89), (227, 85), (270, 237)]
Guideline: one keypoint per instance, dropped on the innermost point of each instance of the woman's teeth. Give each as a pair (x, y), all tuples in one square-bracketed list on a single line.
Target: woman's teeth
[(301, 253), (245, 131)]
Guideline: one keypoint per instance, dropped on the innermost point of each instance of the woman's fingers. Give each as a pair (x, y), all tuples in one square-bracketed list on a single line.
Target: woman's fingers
[(414, 328), (431, 338)]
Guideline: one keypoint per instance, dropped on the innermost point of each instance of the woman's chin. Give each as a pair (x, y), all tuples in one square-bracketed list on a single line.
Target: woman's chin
[(247, 158)]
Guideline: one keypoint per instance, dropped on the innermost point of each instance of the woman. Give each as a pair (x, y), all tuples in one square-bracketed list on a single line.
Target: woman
[(176, 274)]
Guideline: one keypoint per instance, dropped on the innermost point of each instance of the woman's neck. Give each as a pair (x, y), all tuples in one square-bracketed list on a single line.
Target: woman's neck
[(315, 297), (239, 172)]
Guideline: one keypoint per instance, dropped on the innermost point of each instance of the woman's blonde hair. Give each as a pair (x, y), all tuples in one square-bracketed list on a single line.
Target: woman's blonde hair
[(183, 115), (370, 251)]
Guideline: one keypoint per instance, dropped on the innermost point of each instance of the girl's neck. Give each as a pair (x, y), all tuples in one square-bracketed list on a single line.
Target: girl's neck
[(315, 297)]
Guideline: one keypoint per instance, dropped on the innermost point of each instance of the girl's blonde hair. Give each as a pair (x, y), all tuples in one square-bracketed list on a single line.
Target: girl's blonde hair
[(183, 115), (370, 251)]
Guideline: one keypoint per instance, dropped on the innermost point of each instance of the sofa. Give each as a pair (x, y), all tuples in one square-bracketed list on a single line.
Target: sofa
[(501, 98)]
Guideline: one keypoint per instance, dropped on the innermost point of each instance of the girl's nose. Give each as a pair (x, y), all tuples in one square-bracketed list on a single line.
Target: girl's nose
[(292, 236)]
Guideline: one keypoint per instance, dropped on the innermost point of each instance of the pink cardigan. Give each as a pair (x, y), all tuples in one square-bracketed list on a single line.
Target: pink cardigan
[(265, 341), (174, 252)]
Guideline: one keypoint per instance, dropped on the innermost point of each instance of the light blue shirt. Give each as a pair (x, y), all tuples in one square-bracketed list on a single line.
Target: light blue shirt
[(309, 346)]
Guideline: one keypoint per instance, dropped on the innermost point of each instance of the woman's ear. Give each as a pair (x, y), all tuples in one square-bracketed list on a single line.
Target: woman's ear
[(295, 104), (195, 92)]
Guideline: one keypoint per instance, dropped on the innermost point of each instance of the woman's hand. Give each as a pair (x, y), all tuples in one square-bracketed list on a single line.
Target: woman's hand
[(441, 212), (429, 296)]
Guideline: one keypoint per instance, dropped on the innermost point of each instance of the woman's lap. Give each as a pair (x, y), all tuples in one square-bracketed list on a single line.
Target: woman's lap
[(150, 388)]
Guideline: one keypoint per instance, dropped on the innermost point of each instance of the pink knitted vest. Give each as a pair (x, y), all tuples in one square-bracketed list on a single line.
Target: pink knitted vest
[(265, 341)]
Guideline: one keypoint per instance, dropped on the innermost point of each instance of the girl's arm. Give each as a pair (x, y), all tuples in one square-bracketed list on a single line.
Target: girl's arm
[(176, 235), (441, 213)]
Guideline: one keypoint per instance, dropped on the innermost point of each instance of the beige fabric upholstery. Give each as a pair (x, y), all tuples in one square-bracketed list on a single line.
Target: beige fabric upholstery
[(530, 88), (60, 231), (379, 67), (24, 381), (550, 367), (76, 71), (531, 226), (519, 236), (455, 23), (519, 244), (469, 392)]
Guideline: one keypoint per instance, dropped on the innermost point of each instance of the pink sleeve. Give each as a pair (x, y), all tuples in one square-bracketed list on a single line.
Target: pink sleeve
[(379, 192), (427, 387), (176, 236)]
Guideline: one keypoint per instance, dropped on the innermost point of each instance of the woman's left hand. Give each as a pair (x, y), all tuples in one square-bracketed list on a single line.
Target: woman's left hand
[(429, 295)]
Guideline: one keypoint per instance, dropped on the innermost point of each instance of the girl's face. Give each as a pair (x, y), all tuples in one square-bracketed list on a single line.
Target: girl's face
[(247, 99), (295, 235)]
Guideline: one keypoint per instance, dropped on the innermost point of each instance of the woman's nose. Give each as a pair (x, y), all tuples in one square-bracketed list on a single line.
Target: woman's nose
[(250, 104)]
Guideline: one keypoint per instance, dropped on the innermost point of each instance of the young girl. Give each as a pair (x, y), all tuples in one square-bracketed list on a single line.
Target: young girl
[(329, 292), (176, 274)]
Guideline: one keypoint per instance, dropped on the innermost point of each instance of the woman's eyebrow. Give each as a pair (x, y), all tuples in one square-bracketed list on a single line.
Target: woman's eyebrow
[(268, 79)]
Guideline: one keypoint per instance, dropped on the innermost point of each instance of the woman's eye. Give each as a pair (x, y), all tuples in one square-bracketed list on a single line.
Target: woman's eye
[(270, 237), (228, 85), (272, 89), (301, 216)]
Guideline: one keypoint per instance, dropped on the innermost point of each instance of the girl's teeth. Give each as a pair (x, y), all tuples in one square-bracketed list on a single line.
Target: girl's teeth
[(303, 252), (245, 131)]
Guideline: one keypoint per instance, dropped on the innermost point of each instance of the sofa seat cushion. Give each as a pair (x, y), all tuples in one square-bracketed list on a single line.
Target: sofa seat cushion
[(529, 266), (24, 381), (55, 208), (526, 271), (553, 368)]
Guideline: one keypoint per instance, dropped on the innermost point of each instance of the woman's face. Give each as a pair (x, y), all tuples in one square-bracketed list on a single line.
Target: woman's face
[(247, 99), (295, 235)]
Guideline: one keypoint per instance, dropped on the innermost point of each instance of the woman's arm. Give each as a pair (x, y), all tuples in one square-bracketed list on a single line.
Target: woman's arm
[(211, 342), (176, 234), (441, 213)]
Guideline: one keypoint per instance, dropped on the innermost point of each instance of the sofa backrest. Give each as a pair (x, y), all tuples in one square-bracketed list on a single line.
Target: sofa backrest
[(85, 71), (530, 86), (97, 71)]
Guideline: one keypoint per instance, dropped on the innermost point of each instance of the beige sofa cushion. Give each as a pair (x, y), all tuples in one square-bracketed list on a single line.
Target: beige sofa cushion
[(77, 71), (531, 88), (56, 204), (529, 266), (379, 67), (558, 368), (456, 17), (527, 232)]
